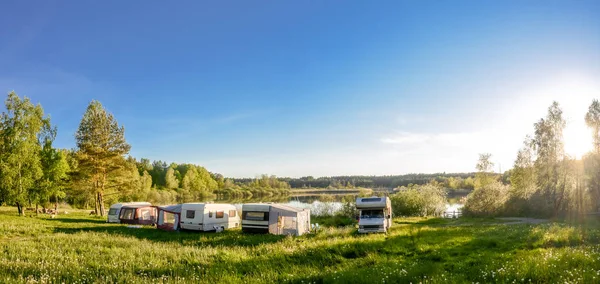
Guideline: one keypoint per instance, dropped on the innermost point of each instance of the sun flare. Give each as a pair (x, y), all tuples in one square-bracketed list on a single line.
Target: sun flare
[(578, 139), (575, 97)]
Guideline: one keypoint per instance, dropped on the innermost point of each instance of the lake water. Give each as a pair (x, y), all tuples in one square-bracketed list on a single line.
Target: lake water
[(318, 204)]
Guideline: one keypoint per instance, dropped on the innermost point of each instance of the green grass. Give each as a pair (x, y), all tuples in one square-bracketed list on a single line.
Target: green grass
[(77, 248)]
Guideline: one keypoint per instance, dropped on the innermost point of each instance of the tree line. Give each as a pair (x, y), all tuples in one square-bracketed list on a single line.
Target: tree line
[(98, 171), (449, 180), (544, 180)]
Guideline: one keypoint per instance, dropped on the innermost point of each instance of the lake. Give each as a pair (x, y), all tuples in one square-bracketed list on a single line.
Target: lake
[(320, 204)]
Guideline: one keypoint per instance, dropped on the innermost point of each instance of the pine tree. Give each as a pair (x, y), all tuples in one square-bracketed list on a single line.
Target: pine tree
[(101, 148)]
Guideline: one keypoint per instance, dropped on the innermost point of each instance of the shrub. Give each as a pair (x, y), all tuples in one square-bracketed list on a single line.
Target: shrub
[(419, 200), (348, 208), (487, 201)]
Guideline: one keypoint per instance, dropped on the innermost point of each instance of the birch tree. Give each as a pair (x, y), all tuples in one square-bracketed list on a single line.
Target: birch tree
[(20, 165)]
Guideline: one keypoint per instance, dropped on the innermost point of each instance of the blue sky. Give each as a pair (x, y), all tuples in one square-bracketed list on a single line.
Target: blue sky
[(298, 88)]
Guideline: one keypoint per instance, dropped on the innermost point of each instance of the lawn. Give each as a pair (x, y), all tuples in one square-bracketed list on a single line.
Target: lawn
[(77, 248)]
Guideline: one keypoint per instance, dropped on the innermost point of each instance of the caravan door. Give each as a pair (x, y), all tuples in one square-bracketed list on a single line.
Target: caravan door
[(192, 217)]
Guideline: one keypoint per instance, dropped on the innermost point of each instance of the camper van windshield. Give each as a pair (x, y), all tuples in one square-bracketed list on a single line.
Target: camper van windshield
[(113, 211), (366, 214)]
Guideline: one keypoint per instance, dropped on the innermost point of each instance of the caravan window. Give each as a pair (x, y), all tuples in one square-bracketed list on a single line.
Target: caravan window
[(145, 214), (190, 214), (127, 214), (220, 214), (255, 216), (113, 211), (232, 213), (209, 214)]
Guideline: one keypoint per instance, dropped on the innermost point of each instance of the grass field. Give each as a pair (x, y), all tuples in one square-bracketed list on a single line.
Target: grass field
[(76, 248)]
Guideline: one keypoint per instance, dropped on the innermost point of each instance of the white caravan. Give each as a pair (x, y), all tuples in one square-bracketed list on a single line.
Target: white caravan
[(278, 219), (115, 210), (374, 213), (208, 216)]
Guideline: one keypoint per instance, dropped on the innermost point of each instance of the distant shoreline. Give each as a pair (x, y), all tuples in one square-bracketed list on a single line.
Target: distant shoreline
[(301, 192)]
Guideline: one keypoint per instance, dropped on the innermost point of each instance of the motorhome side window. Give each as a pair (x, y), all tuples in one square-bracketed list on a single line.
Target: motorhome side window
[(256, 216), (220, 214), (190, 214), (232, 213), (209, 214), (371, 199), (372, 213)]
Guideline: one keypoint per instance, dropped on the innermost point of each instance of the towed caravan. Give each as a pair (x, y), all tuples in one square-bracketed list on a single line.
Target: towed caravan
[(208, 216), (375, 214), (115, 210), (168, 217), (275, 219), (138, 214)]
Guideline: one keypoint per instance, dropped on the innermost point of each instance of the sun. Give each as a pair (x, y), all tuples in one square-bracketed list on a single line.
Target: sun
[(577, 139), (574, 95)]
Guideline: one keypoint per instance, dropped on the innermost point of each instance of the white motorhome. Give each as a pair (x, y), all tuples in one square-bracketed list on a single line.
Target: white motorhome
[(208, 216), (275, 219), (375, 214), (115, 210)]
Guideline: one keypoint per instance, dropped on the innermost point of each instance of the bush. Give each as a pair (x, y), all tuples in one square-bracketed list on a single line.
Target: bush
[(348, 208), (333, 221), (419, 200), (487, 201)]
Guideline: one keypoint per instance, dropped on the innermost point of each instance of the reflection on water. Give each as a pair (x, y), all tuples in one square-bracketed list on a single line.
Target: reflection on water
[(454, 207), (319, 205)]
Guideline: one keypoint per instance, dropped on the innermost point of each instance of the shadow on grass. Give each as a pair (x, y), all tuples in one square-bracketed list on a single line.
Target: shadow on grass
[(77, 220), (428, 221), (361, 260), (230, 238)]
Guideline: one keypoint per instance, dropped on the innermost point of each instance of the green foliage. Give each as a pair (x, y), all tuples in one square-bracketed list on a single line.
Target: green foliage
[(21, 126), (348, 208), (171, 180), (101, 148), (197, 179), (592, 160), (487, 201), (485, 169), (419, 200), (55, 170), (544, 181), (386, 181)]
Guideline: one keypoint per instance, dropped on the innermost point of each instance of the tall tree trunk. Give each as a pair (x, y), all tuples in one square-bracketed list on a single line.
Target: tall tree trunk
[(36, 210), (101, 203), (19, 208), (95, 205)]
